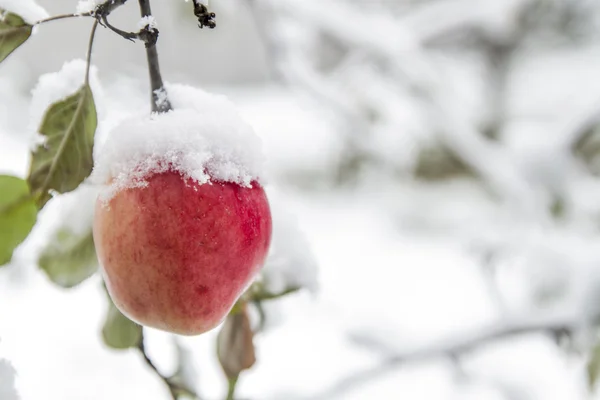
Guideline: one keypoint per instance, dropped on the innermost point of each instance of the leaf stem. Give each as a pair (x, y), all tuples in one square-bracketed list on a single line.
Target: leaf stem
[(89, 53), (232, 384), (160, 102)]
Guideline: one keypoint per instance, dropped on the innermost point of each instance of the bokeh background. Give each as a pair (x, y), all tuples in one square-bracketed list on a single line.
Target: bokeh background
[(441, 158)]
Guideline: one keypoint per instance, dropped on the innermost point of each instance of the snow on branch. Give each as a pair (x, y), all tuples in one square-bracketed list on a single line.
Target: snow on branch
[(352, 27), (552, 324), (429, 21), (410, 67)]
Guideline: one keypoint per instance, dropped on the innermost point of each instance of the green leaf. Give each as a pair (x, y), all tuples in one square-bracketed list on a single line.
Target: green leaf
[(69, 259), (18, 213), (119, 332), (593, 366), (66, 157), (14, 31)]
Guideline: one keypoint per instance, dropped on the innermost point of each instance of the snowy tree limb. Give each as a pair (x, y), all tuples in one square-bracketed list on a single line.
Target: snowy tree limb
[(411, 68), (107, 7), (175, 389), (160, 102), (555, 325)]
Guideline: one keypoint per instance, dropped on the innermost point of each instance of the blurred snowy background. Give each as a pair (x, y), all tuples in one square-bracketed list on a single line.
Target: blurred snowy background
[(442, 158)]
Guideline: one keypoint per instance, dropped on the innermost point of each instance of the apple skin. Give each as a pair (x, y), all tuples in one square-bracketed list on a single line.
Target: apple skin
[(176, 255)]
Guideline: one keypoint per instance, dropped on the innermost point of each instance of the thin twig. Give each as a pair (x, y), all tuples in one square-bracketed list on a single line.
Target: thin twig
[(64, 16), (554, 325), (175, 389), (149, 362), (103, 9), (160, 102), (127, 35), (89, 54)]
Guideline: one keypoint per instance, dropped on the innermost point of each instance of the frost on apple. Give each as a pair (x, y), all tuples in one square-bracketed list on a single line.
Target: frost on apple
[(182, 225), (7, 381)]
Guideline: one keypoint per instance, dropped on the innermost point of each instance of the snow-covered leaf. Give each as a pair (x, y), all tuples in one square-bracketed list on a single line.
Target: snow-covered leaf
[(14, 31), (70, 258), (18, 214), (65, 158)]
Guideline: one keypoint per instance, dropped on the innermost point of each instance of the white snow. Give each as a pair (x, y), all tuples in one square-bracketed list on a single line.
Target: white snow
[(148, 20), (161, 96), (57, 86), (291, 263), (7, 381), (203, 138), (86, 6), (405, 264), (29, 10)]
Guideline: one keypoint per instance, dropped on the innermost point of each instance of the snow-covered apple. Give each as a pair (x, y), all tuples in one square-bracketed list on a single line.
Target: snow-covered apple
[(183, 224)]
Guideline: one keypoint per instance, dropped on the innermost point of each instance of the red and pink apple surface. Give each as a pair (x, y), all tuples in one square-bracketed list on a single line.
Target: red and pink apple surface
[(176, 255)]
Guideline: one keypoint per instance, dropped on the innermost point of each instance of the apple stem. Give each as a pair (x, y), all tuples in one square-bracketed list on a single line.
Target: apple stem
[(160, 102)]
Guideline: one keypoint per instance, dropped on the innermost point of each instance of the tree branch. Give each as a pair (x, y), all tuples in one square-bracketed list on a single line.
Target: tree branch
[(107, 7), (555, 325), (175, 389), (160, 102), (102, 10), (126, 35)]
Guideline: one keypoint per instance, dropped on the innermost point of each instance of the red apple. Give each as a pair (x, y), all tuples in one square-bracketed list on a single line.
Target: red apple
[(176, 255)]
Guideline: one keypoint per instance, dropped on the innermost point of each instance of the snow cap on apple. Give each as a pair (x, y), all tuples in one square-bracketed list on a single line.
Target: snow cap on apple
[(183, 224)]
